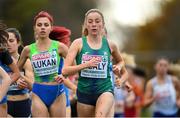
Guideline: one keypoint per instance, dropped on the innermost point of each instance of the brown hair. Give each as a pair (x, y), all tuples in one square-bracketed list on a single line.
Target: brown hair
[(3, 40), (3, 36), (16, 34), (84, 29)]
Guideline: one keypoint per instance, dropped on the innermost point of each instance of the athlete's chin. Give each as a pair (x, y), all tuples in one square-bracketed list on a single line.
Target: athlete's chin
[(43, 36), (94, 34), (10, 51)]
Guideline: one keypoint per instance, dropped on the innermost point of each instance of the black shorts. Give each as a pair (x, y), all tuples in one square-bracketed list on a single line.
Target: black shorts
[(89, 99), (19, 108)]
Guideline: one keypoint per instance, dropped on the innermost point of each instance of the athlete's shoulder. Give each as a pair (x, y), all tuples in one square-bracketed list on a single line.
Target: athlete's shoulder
[(175, 79), (55, 42), (63, 49), (78, 40), (27, 48), (60, 44), (76, 44), (32, 44), (112, 43), (150, 82), (26, 51)]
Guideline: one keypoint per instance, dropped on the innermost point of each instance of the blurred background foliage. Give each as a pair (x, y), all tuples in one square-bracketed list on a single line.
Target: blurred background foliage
[(20, 14), (159, 37)]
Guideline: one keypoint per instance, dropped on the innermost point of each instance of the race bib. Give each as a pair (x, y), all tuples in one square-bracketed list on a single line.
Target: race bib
[(95, 72), (164, 100), (45, 63)]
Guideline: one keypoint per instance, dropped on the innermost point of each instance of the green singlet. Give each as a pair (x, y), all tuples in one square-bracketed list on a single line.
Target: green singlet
[(95, 80), (45, 64)]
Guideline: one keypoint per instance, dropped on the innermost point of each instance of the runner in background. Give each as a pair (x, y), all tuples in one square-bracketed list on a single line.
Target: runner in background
[(62, 35), (5, 59), (5, 80), (162, 91), (139, 79), (134, 98), (18, 98)]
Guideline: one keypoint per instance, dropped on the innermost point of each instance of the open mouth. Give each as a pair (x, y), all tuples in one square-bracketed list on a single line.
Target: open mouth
[(94, 30), (9, 48)]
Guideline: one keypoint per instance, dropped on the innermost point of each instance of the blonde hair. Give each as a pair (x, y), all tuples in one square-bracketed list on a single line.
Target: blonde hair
[(84, 29), (129, 59), (175, 69)]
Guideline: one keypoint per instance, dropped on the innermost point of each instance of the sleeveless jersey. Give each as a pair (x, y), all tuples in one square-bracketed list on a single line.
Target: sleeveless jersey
[(45, 63), (166, 102), (94, 80)]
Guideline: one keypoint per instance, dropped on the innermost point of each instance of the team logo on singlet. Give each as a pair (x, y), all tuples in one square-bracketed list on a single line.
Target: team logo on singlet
[(45, 63), (95, 72)]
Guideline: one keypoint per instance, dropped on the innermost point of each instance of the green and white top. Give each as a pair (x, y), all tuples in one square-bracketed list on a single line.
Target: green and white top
[(45, 64)]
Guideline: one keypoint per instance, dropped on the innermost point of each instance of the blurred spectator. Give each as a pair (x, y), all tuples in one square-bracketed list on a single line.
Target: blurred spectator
[(162, 91), (120, 97), (139, 80)]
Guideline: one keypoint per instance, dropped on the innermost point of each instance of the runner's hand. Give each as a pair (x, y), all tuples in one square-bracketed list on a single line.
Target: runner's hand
[(119, 82), (92, 63), (22, 83), (59, 78), (117, 69), (128, 86)]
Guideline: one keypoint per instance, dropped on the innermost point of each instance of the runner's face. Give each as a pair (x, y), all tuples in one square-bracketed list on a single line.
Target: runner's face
[(162, 66), (12, 43), (94, 23), (42, 27)]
